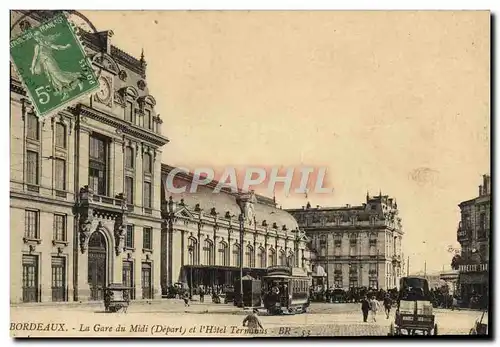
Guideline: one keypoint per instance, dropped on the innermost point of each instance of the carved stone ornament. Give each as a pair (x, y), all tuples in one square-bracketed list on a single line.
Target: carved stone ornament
[(32, 248), (123, 75), (119, 232), (141, 84), (85, 229)]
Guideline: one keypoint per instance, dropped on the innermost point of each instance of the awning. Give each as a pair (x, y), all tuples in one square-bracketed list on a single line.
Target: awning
[(319, 272)]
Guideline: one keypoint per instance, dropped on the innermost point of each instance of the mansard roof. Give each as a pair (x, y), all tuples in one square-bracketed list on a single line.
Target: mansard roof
[(225, 201)]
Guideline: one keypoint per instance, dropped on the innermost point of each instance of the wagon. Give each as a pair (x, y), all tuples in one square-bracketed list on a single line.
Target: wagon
[(414, 311)]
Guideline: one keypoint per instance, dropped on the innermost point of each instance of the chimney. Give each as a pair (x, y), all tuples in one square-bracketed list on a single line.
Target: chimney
[(480, 190), (105, 40), (486, 184), (303, 207), (347, 205)]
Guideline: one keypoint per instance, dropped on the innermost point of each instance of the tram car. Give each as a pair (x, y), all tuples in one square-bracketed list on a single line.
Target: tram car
[(285, 290)]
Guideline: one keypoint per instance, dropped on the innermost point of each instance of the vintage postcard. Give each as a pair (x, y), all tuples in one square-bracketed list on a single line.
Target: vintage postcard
[(249, 174)]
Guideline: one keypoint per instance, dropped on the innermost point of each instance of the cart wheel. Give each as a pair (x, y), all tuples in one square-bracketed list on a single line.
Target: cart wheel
[(391, 330), (435, 329)]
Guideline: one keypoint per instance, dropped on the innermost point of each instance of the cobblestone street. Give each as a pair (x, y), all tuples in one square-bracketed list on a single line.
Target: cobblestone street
[(171, 318)]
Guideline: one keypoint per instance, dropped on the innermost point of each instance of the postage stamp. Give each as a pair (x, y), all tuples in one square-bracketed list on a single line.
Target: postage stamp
[(52, 65)]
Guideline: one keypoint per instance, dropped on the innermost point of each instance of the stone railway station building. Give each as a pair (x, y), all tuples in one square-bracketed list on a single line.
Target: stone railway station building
[(88, 206)]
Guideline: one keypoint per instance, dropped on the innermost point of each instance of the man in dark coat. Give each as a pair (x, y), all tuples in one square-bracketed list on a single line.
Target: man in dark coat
[(365, 308)]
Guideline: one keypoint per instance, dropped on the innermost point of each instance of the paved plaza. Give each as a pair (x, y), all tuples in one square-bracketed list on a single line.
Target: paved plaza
[(170, 318)]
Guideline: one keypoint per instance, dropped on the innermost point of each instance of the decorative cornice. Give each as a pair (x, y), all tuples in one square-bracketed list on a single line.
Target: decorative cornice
[(126, 128)]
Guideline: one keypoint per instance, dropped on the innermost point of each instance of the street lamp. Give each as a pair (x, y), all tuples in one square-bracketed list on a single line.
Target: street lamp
[(191, 256), (241, 219)]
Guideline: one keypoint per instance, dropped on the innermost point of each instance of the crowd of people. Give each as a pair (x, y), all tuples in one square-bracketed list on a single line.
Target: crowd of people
[(353, 294)]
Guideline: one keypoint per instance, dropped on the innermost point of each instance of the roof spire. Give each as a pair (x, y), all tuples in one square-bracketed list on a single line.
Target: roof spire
[(143, 60)]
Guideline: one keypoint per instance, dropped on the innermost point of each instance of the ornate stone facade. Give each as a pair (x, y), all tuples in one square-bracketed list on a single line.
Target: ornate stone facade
[(202, 238), (85, 185), (358, 246)]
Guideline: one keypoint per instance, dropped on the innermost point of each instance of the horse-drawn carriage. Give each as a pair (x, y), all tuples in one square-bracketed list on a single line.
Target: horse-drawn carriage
[(414, 309)]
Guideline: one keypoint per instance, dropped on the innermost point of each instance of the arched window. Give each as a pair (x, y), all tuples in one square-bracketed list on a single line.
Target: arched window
[(236, 255), (249, 256), (192, 251), (262, 257), (223, 256), (271, 260), (282, 260), (207, 252)]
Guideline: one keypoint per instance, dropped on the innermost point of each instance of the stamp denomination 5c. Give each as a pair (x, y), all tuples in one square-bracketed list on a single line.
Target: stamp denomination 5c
[(53, 65)]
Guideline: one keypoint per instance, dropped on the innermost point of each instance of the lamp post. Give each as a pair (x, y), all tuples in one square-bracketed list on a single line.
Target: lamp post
[(241, 220), (191, 256)]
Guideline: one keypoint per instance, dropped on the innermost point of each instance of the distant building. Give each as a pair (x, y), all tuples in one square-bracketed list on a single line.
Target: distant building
[(358, 246), (473, 234)]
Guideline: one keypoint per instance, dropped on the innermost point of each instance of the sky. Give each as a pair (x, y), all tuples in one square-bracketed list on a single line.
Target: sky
[(396, 102)]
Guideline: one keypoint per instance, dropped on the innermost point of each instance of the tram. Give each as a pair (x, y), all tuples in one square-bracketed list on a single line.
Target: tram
[(285, 290)]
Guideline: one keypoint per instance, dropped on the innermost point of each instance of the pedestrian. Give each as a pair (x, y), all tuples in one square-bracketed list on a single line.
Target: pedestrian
[(387, 305), (186, 298), (374, 305), (454, 304), (365, 308), (252, 321), (202, 294)]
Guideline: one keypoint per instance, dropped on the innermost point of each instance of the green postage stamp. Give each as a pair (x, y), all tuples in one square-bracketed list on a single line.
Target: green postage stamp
[(52, 65)]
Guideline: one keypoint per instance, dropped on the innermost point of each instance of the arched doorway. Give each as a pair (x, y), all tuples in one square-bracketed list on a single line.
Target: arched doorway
[(97, 265)]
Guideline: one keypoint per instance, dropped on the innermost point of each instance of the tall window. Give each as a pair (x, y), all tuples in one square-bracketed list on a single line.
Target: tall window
[(60, 135), (207, 252), (129, 157), (129, 189), (129, 111), (60, 173), (271, 260), (31, 229), (290, 260), (223, 256), (282, 258), (146, 162), (59, 227), (147, 194), (148, 124), (262, 257), (32, 128), (32, 168), (129, 237), (192, 251), (236, 255), (98, 165), (249, 258), (147, 238)]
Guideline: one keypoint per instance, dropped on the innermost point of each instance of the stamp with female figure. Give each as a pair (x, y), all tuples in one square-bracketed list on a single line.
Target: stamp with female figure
[(53, 65)]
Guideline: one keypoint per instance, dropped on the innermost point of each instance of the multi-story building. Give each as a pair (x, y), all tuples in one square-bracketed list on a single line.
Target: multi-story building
[(358, 246), (203, 241), (85, 184), (473, 234)]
